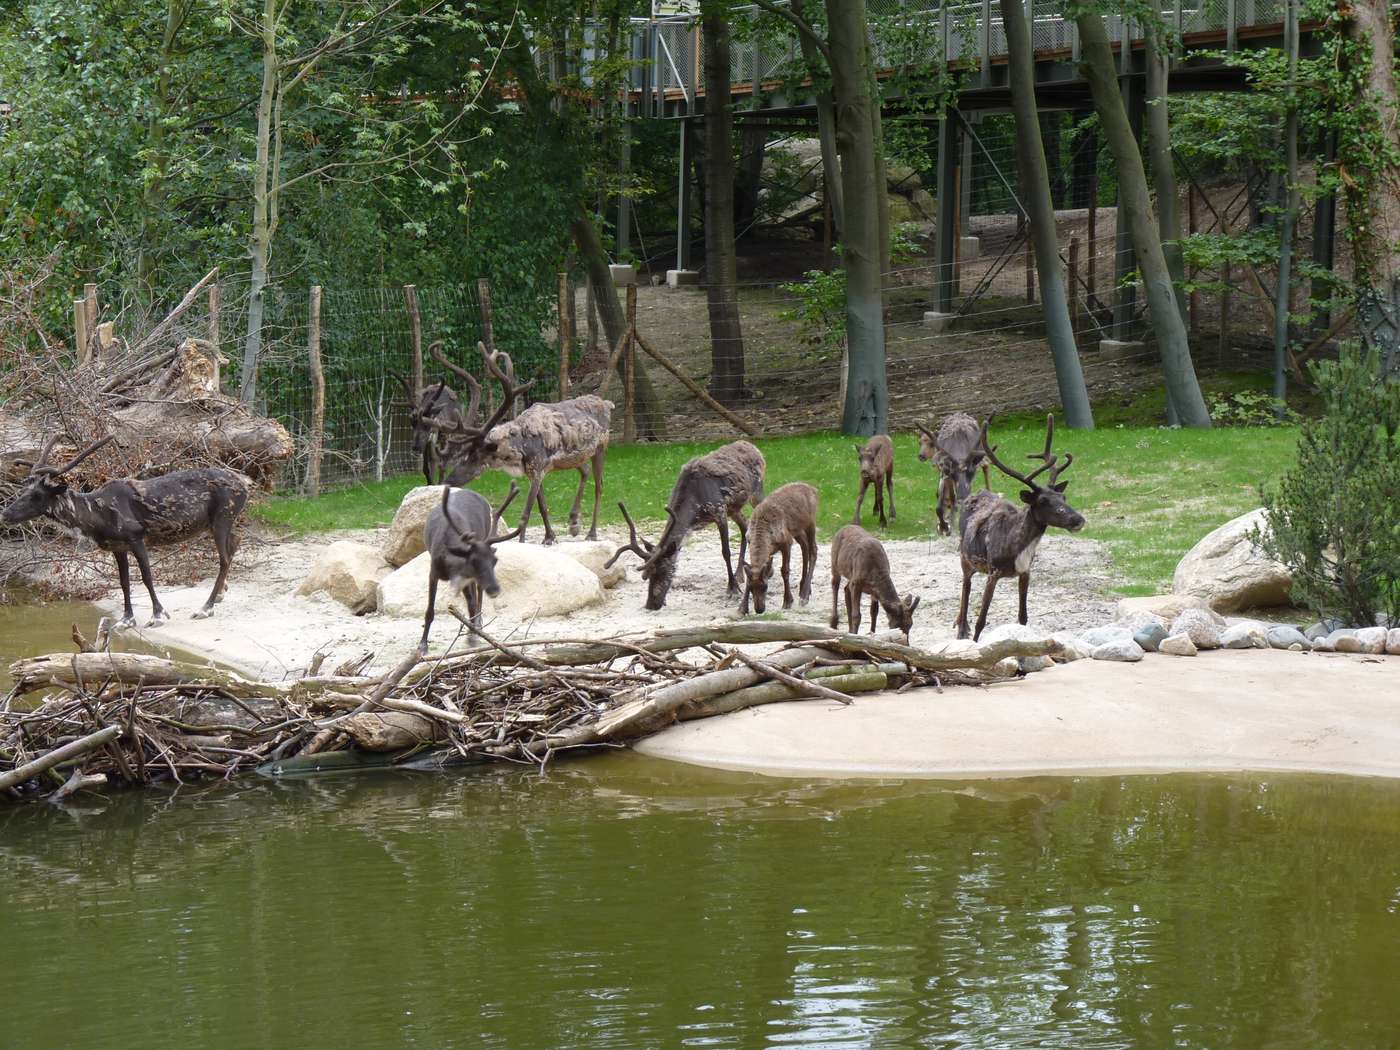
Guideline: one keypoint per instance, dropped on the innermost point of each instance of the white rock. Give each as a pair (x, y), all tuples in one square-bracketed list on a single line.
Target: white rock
[(1371, 640), (1123, 650), (1283, 636), (1024, 633), (1392, 641), (404, 592), (1073, 648), (1006, 668), (591, 554), (540, 581), (1228, 572), (349, 573), (1136, 619), (1200, 625), (405, 539), (1178, 645), (1166, 606), (1248, 634), (1097, 636)]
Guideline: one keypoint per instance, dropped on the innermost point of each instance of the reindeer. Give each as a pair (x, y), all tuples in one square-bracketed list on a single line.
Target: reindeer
[(459, 535), (861, 559), (877, 467), (957, 455), (1000, 538), (787, 514), (709, 489), (437, 411), (125, 515), (568, 435)]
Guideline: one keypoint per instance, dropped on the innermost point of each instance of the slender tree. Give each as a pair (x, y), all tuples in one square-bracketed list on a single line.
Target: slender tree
[(1180, 373), (721, 268), (1035, 189)]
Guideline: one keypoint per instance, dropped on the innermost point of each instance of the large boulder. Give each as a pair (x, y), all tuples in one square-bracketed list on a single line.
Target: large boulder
[(404, 592), (405, 539), (1392, 641), (349, 573), (593, 555), (1228, 572), (541, 581)]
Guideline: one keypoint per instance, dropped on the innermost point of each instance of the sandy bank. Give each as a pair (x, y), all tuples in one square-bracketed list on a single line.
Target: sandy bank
[(1222, 711)]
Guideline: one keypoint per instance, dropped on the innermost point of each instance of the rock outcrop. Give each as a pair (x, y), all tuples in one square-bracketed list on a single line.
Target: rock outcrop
[(349, 573), (1228, 572)]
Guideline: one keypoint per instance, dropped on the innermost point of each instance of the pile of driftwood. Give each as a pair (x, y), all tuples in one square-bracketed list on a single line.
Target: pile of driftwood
[(126, 718)]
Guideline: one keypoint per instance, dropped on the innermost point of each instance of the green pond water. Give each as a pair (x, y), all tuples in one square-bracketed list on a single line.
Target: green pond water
[(617, 901)]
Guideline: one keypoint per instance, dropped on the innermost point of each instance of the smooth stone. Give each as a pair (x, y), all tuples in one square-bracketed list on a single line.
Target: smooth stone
[(349, 573), (1178, 645), (1151, 636), (1392, 641), (1072, 648), (1121, 650), (1323, 628), (1202, 626), (1097, 636), (405, 540), (1342, 640), (1166, 607), (1229, 572), (1247, 635), (1024, 633), (1282, 636), (1371, 640)]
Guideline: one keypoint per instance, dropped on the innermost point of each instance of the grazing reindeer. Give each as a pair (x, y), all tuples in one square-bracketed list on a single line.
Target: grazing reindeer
[(787, 514), (861, 559), (877, 468), (710, 489), (957, 453), (460, 534), (125, 515), (1000, 538), (568, 435)]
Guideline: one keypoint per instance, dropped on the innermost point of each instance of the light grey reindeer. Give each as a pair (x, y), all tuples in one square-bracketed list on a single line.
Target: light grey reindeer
[(956, 453), (566, 435), (460, 533), (126, 515), (1000, 538)]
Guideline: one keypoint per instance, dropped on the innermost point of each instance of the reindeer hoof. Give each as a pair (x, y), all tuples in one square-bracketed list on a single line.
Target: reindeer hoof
[(550, 540), (125, 621), (202, 614), (157, 621), (573, 528), (593, 534)]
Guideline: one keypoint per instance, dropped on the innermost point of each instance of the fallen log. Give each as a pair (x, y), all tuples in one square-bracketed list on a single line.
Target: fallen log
[(59, 755)]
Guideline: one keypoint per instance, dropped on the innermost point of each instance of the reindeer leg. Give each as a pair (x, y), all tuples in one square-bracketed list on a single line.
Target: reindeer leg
[(960, 624), (880, 505), (861, 499), (874, 611), (889, 484), (432, 608), (835, 597), (143, 562), (853, 607), (986, 604), (944, 491), (598, 458), (474, 604), (738, 516), (223, 534), (124, 575), (724, 546), (809, 564), (787, 579), (1025, 582), (549, 536), (578, 500), (530, 498)]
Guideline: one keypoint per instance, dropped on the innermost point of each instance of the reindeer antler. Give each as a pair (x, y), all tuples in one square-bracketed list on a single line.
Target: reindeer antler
[(924, 430), (403, 382), (635, 544), (1048, 460), (72, 464), (501, 513), (509, 392)]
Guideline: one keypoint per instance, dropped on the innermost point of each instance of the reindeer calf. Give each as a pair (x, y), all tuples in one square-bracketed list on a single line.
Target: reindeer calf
[(460, 534), (787, 514), (861, 559), (956, 452), (876, 467)]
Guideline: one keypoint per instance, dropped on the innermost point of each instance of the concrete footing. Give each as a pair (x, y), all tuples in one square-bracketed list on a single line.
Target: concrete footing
[(623, 274), (969, 248), (679, 278), (937, 322), (1121, 349)]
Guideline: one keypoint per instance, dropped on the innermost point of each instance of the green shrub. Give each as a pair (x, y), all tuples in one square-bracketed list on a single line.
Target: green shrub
[(1249, 408), (1335, 517)]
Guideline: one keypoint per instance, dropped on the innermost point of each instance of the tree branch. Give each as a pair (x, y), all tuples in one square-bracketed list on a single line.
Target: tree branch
[(799, 24)]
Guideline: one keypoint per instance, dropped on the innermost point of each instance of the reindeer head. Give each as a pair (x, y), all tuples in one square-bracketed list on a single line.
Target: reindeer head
[(475, 443), (928, 444), (957, 459), (869, 469), (756, 585), (902, 617), (45, 485), (473, 552), (1047, 502), (658, 559)]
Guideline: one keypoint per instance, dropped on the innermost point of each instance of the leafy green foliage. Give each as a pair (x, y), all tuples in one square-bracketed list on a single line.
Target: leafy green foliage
[(1334, 518), (1248, 408)]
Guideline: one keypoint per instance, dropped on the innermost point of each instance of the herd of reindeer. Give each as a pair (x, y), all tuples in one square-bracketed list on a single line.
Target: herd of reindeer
[(996, 536)]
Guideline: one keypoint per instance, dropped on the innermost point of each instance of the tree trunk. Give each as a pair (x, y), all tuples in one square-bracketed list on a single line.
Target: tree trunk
[(826, 126), (651, 424), (864, 239), (1098, 67), (721, 276), (1035, 188), (260, 239), (153, 196)]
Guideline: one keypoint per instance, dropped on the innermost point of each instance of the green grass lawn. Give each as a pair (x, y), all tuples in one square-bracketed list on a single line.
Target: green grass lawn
[(1148, 493)]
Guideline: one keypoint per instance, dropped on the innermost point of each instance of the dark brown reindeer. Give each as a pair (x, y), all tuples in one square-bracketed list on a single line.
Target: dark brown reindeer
[(436, 412), (860, 558), (710, 490), (877, 468), (567, 435), (786, 515), (1000, 538), (124, 516), (459, 535), (956, 452)]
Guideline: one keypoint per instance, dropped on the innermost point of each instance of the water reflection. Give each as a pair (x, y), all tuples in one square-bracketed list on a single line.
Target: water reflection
[(625, 902)]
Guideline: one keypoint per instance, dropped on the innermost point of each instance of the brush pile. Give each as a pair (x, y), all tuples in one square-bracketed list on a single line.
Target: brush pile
[(127, 718)]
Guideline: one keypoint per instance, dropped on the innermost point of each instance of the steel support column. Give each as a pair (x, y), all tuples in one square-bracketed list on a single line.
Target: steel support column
[(950, 145), (684, 193), (1124, 257)]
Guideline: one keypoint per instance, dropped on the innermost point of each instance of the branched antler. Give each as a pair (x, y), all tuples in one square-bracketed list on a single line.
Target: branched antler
[(1048, 461), (635, 544)]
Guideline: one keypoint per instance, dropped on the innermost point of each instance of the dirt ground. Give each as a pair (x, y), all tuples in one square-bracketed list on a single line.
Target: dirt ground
[(265, 630)]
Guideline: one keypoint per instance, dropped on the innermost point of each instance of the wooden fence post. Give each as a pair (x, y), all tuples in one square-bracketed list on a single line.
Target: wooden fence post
[(415, 335), (318, 394), (214, 334), (566, 334), (1073, 289), (483, 296), (90, 305), (80, 331), (1092, 284), (629, 365)]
